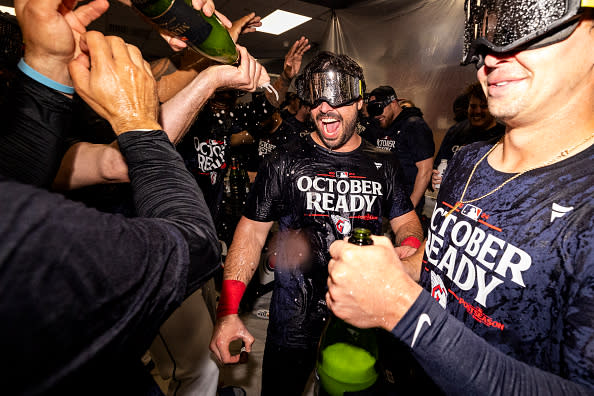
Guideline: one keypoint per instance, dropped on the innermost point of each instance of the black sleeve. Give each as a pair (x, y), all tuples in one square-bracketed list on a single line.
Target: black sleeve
[(79, 285), (37, 119), (420, 139), (462, 363), (163, 187)]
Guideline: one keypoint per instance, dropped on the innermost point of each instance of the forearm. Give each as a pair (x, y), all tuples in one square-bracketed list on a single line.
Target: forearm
[(461, 362), (421, 183), (179, 112), (244, 253), (163, 187), (86, 164), (281, 84), (406, 226), (413, 264)]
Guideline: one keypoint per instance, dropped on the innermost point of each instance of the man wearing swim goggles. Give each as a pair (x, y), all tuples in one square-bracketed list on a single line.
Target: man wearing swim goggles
[(318, 189), (501, 300)]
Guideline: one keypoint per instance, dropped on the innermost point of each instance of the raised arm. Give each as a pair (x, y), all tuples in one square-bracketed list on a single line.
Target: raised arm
[(291, 68), (37, 120)]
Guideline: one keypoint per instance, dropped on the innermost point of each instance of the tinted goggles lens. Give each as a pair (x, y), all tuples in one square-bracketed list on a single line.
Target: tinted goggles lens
[(335, 88), (507, 25), (376, 108)]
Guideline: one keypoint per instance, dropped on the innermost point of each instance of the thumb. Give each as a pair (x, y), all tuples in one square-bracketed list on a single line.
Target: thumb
[(79, 72), (382, 241)]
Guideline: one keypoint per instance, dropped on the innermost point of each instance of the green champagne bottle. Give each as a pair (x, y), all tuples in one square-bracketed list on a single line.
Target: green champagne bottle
[(206, 35), (347, 355)]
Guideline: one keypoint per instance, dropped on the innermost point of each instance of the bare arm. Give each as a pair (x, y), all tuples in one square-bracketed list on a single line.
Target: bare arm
[(240, 265), (86, 161), (405, 226), (424, 169), (178, 113), (244, 253), (291, 68)]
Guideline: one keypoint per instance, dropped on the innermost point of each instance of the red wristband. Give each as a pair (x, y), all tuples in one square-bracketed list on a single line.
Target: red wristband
[(412, 242), (231, 293)]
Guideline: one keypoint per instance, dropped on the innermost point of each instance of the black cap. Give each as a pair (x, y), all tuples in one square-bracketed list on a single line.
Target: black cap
[(383, 92)]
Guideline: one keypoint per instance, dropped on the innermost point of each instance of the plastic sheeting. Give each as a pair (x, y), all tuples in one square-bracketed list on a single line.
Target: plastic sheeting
[(413, 45)]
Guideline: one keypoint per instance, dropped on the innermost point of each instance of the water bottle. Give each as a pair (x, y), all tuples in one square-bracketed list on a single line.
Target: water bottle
[(206, 35), (443, 164), (347, 355)]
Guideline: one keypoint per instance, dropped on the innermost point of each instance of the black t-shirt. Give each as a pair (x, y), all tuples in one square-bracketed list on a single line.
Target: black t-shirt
[(206, 147), (318, 196), (462, 134), (409, 137)]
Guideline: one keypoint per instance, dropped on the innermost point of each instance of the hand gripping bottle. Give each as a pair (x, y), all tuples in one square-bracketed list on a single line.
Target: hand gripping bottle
[(206, 35), (347, 355)]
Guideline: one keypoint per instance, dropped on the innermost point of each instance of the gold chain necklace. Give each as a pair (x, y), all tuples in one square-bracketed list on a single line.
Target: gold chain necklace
[(562, 154)]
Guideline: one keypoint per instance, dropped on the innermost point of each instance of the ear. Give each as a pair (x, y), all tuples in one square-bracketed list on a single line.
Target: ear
[(359, 104)]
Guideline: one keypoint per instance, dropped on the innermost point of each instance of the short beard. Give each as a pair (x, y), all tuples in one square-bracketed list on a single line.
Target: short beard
[(348, 129)]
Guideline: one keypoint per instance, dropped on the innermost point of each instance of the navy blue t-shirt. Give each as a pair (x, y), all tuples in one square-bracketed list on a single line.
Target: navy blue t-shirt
[(318, 196), (516, 269)]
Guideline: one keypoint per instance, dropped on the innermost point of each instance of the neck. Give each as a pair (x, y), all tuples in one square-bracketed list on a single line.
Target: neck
[(352, 144)]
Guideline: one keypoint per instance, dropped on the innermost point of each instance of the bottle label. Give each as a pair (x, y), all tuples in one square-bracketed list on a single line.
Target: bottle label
[(185, 22)]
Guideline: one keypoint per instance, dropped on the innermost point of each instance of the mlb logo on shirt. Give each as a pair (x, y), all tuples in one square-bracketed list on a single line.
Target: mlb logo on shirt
[(342, 174), (471, 211)]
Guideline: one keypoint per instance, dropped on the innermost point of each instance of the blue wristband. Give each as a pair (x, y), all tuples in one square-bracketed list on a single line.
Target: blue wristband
[(40, 78)]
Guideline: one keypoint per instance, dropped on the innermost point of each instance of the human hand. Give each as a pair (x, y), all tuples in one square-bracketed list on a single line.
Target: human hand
[(435, 178), (227, 329), (114, 79), (246, 24), (404, 251), (207, 7), (51, 30), (294, 57), (367, 285), (248, 76)]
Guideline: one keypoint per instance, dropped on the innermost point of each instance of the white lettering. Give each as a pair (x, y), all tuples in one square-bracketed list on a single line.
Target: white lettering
[(483, 288), (486, 249), (524, 263)]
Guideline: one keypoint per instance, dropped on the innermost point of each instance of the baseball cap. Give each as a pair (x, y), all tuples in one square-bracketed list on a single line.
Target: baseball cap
[(384, 95)]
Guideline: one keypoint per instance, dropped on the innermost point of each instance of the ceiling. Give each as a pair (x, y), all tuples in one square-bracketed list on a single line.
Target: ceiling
[(268, 49)]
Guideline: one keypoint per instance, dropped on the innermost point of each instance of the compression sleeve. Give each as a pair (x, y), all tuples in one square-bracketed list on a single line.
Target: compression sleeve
[(163, 188), (36, 121), (460, 362)]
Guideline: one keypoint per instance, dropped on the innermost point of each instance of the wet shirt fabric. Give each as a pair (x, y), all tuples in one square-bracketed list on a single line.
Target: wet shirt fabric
[(515, 272), (462, 134), (409, 137), (268, 142), (318, 196), (206, 148)]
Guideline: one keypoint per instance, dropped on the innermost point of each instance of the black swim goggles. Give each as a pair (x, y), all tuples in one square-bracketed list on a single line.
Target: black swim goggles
[(333, 87), (513, 25), (376, 107)]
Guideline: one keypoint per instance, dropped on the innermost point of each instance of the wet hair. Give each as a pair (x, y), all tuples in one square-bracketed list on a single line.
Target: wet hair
[(325, 61)]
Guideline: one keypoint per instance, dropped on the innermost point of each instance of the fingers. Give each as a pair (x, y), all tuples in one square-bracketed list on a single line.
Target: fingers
[(224, 20), (91, 11), (118, 85)]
